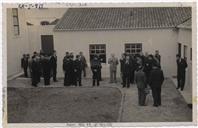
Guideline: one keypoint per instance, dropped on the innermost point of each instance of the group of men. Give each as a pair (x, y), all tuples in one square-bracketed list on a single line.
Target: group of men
[(141, 69), (73, 69), (40, 65)]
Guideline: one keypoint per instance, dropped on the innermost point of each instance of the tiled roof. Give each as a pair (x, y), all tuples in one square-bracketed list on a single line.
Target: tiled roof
[(187, 24), (77, 19)]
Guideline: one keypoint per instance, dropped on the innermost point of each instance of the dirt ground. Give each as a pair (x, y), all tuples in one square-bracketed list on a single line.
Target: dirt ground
[(63, 104)]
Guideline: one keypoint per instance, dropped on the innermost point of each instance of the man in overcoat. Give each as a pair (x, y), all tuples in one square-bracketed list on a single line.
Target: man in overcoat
[(156, 79), (53, 61), (181, 72), (78, 70), (140, 80)]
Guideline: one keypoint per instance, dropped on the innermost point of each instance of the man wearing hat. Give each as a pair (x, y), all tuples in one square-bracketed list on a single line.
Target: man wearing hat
[(156, 79)]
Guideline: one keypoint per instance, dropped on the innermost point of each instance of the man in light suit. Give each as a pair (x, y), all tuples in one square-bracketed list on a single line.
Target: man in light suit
[(113, 62)]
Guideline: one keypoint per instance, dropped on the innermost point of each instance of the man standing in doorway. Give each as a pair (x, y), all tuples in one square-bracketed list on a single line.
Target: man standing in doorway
[(181, 72), (113, 62)]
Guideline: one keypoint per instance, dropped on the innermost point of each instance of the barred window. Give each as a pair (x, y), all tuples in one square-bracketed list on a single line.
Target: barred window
[(15, 21), (133, 48), (98, 49)]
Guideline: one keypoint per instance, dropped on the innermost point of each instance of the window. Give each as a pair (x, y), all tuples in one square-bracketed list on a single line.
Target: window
[(190, 53), (185, 52), (44, 23), (98, 49), (133, 48), (179, 49), (15, 21)]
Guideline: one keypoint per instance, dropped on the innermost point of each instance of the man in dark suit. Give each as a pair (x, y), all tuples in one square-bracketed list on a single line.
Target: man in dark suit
[(181, 72), (122, 60), (35, 70), (78, 70), (95, 67), (66, 69), (24, 64), (53, 61), (148, 61), (46, 69), (156, 79), (126, 72)]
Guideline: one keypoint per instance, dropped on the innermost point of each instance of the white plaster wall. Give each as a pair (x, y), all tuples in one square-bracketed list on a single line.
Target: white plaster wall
[(185, 38), (16, 45), (163, 39), (34, 36)]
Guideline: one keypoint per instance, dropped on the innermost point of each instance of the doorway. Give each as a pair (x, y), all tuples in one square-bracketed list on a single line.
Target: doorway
[(47, 43)]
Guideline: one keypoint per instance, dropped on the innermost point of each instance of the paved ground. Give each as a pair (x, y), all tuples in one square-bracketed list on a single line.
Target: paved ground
[(173, 109)]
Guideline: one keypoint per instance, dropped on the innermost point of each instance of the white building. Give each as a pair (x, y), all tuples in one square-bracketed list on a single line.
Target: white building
[(103, 31), (24, 30), (116, 30)]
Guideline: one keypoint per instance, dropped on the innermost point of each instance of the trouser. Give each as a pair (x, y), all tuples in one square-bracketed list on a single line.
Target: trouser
[(132, 77), (84, 71), (126, 81), (66, 79), (121, 76), (113, 76), (96, 78), (156, 93), (78, 78), (25, 72), (100, 75), (141, 96), (181, 81), (47, 80), (46, 76), (34, 78), (54, 73)]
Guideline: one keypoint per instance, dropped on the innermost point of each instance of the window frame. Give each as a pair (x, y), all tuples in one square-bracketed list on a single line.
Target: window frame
[(133, 48), (98, 49), (16, 33)]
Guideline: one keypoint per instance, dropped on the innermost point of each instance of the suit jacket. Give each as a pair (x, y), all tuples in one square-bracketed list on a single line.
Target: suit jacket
[(113, 62), (156, 78), (127, 68), (140, 79), (53, 61), (77, 66)]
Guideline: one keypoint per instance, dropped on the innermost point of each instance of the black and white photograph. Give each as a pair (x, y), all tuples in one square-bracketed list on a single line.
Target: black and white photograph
[(103, 64)]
